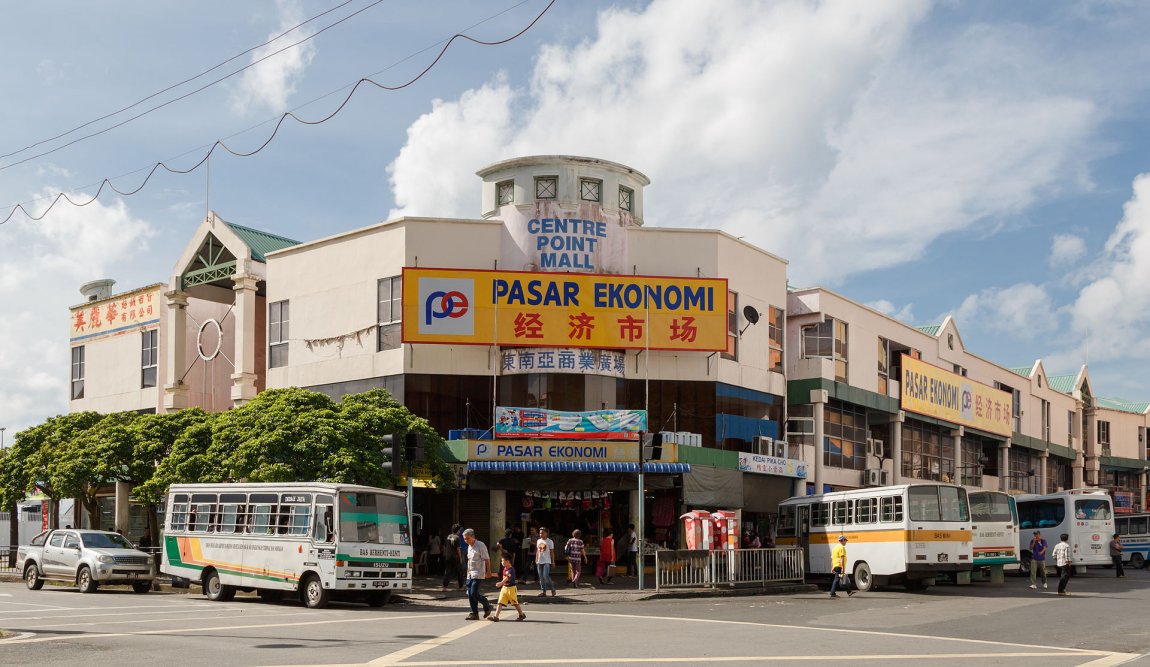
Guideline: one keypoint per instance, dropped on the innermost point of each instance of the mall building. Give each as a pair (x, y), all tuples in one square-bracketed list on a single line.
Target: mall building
[(557, 299)]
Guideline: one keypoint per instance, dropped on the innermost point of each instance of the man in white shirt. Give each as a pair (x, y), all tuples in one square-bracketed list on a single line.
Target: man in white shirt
[(1061, 555), (544, 559), (478, 569)]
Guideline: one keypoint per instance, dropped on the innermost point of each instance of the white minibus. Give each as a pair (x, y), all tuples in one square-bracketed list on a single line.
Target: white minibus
[(1086, 515)]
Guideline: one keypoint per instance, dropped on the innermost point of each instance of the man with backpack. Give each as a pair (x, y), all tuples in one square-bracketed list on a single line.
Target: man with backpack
[(452, 565)]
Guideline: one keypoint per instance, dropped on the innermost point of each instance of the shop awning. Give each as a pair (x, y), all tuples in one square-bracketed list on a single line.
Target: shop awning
[(576, 466)]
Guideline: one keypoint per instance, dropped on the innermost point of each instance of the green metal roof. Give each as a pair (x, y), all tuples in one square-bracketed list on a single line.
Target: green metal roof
[(1121, 405), (261, 243), (1062, 383), (1024, 371), (930, 329)]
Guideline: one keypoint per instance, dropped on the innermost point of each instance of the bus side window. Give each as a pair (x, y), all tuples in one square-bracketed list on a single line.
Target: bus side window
[(865, 510), (300, 516), (179, 516), (897, 508), (1122, 526), (261, 520), (324, 523)]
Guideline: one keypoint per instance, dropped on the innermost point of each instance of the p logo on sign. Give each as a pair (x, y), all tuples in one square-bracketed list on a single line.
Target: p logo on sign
[(447, 306)]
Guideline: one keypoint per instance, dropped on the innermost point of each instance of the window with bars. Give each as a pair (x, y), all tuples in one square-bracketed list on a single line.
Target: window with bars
[(77, 372), (626, 199), (883, 365), (546, 187), (777, 337), (149, 359), (890, 509), (590, 189), (827, 339), (844, 435), (389, 309), (927, 452), (505, 192), (1104, 436), (278, 317)]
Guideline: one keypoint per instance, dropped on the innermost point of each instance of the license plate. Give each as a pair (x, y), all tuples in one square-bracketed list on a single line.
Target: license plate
[(379, 584), (942, 558)]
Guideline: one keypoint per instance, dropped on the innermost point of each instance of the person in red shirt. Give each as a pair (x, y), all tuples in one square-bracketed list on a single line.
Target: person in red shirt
[(606, 565)]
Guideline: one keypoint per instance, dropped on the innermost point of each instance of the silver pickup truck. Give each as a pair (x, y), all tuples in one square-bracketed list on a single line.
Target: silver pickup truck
[(86, 558)]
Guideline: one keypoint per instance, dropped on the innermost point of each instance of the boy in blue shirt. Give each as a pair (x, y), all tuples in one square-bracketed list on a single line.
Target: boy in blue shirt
[(509, 591)]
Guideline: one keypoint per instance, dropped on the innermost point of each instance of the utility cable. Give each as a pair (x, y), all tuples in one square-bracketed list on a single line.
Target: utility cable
[(220, 143), (187, 80)]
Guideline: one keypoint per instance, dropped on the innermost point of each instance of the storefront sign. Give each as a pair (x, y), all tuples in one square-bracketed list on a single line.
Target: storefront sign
[(125, 312), (929, 390), (1123, 502), (563, 360), (772, 465), (596, 425), (584, 238), (519, 309), (543, 450)]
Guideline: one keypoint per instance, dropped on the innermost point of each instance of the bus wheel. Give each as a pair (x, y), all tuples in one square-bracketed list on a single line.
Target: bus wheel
[(1137, 561), (270, 596), (377, 599), (315, 596), (215, 590), (863, 579), (1024, 565)]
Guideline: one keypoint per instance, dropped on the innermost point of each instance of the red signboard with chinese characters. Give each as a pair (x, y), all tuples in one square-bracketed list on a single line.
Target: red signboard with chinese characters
[(123, 312), (564, 310)]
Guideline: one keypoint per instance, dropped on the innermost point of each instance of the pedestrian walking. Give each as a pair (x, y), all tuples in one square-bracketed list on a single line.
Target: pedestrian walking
[(630, 548), (544, 559), (575, 556), (435, 552), (452, 566), (1116, 555), (839, 568), (478, 569), (606, 565), (529, 554), (508, 591), (1061, 555), (1037, 559)]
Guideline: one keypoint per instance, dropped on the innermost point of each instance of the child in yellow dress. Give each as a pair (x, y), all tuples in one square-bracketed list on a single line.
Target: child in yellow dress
[(509, 592)]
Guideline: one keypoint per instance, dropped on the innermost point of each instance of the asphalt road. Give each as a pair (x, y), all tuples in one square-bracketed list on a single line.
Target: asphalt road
[(1101, 624)]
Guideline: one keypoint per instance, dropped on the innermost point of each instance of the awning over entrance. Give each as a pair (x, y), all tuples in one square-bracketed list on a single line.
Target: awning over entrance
[(577, 466)]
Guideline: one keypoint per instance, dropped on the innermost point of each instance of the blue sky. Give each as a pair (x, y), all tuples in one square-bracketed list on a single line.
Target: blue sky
[(979, 159)]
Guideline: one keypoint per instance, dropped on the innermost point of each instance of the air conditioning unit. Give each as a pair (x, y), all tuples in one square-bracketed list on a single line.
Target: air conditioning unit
[(872, 477), (875, 447), (779, 449), (763, 445), (885, 477), (1106, 451)]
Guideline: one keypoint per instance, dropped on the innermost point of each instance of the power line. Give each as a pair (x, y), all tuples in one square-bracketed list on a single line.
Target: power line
[(189, 94), (219, 143), (187, 80)]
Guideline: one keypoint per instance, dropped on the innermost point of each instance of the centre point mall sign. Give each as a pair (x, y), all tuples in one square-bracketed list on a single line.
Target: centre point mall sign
[(528, 309)]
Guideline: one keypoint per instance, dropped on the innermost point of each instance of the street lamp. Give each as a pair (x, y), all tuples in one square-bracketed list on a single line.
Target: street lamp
[(2, 429)]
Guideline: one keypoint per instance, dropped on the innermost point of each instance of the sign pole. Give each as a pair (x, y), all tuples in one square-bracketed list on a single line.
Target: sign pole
[(643, 439)]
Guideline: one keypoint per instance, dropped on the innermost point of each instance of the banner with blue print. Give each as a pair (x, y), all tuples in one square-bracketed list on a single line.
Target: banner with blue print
[(593, 425)]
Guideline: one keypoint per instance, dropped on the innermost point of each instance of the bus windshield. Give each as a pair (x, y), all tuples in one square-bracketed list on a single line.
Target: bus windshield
[(1091, 509), (373, 518), (990, 507), (938, 503)]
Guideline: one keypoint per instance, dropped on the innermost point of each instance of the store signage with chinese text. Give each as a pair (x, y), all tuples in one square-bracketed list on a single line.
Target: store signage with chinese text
[(929, 390), (594, 425), (125, 312), (521, 309), (772, 465), (563, 360)]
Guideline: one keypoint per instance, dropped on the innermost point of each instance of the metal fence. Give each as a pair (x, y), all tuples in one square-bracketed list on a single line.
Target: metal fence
[(688, 568), (7, 560)]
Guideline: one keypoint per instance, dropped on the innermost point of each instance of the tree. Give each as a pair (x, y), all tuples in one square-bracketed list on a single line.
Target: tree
[(92, 458), (34, 450), (169, 448), (372, 415)]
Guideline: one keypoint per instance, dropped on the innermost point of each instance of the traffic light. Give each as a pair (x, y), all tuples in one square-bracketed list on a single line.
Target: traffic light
[(651, 448), (391, 442), (413, 447)]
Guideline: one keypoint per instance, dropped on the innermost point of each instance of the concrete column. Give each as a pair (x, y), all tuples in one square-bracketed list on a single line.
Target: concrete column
[(121, 513), (244, 378), (1078, 466), (1043, 461), (633, 513), (1004, 466), (496, 519), (819, 400), (1142, 490), (175, 351), (957, 435), (896, 446)]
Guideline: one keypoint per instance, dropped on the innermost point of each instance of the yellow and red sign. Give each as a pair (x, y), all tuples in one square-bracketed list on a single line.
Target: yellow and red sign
[(123, 312), (929, 390), (522, 309)]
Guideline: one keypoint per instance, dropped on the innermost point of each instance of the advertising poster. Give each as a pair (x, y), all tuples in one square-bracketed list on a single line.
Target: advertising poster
[(929, 390), (594, 425)]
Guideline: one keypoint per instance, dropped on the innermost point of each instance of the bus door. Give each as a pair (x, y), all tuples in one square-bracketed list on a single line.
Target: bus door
[(323, 534), (804, 535)]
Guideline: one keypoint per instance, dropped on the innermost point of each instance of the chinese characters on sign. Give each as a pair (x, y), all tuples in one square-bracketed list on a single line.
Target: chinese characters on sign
[(113, 315), (929, 390), (772, 465), (562, 360), (594, 425), (564, 310)]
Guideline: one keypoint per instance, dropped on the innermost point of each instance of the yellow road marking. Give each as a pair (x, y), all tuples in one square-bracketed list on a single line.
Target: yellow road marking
[(416, 649)]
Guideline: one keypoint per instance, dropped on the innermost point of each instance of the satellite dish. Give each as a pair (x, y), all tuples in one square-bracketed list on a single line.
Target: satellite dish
[(751, 314)]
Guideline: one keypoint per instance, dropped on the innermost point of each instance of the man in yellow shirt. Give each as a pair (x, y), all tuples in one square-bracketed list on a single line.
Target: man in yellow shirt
[(839, 567)]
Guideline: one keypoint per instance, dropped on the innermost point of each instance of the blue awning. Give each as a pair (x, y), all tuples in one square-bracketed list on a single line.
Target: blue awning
[(577, 466)]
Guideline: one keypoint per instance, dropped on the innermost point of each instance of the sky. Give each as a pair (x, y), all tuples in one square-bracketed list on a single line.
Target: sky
[(984, 160)]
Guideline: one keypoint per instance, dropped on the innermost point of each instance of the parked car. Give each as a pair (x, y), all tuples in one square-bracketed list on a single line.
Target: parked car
[(87, 558)]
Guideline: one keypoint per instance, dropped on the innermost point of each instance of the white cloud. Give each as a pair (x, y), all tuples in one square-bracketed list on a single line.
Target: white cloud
[(904, 314), (830, 133), (69, 247), (269, 84), (1023, 311), (1113, 310), (1066, 249)]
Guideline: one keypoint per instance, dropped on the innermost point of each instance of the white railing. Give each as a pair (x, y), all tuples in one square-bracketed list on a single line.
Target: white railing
[(689, 568)]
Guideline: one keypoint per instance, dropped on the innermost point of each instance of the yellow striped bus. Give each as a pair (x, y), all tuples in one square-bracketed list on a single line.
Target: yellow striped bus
[(904, 534)]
